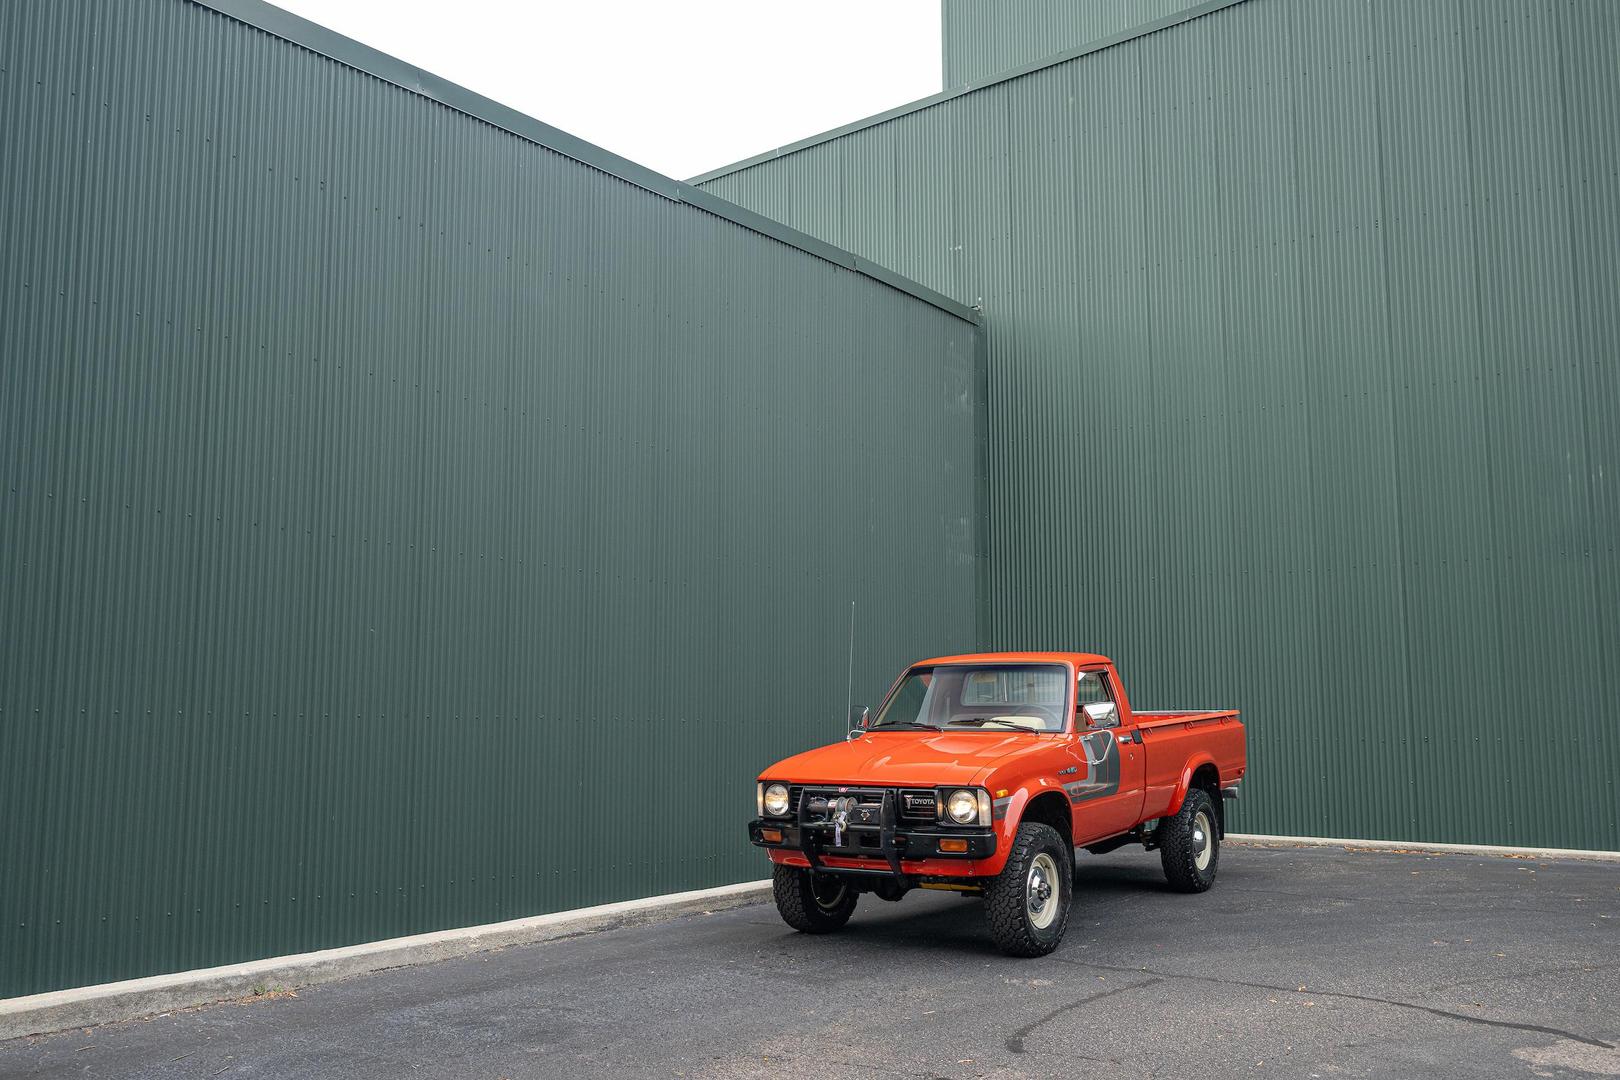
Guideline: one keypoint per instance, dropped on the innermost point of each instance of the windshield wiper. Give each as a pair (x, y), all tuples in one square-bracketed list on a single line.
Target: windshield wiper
[(988, 720), (907, 724)]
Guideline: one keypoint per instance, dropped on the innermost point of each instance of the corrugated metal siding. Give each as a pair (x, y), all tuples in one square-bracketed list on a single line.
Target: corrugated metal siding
[(982, 38), (1305, 373), (405, 525)]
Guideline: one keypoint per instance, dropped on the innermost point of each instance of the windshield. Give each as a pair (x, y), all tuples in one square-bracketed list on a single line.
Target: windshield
[(979, 697)]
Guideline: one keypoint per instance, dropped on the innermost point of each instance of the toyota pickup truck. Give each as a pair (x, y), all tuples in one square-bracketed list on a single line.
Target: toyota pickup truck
[(982, 774)]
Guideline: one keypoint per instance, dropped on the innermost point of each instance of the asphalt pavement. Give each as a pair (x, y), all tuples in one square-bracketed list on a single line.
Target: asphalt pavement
[(1301, 962)]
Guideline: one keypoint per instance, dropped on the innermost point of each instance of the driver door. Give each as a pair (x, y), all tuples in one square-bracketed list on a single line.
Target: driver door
[(1107, 787)]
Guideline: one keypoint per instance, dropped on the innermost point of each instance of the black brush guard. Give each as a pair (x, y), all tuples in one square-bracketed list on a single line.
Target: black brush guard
[(897, 837), (810, 838)]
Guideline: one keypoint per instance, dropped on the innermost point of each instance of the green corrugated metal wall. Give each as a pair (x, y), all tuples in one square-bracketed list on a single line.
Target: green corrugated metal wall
[(1304, 327), (983, 38), (406, 525)]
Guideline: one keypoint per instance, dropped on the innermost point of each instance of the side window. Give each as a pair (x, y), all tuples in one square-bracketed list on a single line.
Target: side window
[(1095, 701)]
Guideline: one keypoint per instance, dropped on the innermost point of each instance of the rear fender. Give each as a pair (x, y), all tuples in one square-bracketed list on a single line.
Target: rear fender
[(1185, 784)]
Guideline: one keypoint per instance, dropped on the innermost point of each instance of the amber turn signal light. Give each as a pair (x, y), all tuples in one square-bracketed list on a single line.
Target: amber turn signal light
[(957, 846), (771, 836)]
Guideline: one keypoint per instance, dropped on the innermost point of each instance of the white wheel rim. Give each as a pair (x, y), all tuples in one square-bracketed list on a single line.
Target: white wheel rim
[(829, 903), (1203, 841), (1042, 891)]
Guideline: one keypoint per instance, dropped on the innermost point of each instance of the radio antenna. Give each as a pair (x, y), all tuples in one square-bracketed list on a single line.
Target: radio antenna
[(849, 690)]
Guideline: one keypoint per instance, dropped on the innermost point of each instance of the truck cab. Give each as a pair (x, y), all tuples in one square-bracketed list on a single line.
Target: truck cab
[(982, 774)]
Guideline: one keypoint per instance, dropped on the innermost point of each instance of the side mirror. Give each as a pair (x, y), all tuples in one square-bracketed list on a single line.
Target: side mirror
[(1103, 714), (859, 722)]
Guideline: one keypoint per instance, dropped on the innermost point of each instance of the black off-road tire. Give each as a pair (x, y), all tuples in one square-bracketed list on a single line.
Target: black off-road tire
[(811, 903), (1007, 896), (1181, 852)]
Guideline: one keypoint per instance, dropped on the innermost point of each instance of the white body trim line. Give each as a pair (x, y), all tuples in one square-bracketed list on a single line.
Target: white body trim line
[(85, 1006), (1425, 845)]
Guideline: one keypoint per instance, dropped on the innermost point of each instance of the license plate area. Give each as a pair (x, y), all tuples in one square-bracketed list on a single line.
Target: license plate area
[(865, 817), (863, 842)]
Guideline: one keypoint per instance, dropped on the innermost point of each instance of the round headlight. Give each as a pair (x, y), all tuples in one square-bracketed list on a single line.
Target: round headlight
[(963, 807), (776, 800)]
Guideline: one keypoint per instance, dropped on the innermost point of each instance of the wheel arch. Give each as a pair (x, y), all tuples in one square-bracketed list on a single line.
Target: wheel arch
[(1050, 807), (1200, 772)]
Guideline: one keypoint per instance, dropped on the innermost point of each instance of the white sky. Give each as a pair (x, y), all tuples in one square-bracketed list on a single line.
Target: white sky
[(680, 87)]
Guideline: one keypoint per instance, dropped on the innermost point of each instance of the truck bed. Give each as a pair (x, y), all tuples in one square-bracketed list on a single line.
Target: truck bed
[(1177, 740)]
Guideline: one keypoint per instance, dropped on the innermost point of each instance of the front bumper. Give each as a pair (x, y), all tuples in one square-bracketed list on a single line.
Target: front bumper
[(875, 839), (912, 844)]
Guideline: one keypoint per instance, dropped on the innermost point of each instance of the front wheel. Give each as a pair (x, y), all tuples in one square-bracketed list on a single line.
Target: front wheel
[(1027, 904), (1190, 844), (811, 903)]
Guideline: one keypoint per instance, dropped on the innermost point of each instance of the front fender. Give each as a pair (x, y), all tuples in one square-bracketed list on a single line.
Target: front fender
[(1007, 813)]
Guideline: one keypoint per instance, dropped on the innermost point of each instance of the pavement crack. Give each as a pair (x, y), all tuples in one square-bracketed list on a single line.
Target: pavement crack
[(1015, 1041), (1344, 995)]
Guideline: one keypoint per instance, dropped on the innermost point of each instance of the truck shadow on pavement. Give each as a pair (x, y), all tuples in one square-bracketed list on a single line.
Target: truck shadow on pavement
[(957, 926)]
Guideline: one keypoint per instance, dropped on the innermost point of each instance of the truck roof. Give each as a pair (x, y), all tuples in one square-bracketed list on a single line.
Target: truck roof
[(1078, 658)]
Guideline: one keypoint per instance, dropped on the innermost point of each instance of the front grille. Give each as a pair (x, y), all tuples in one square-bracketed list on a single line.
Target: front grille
[(913, 806), (918, 804), (864, 796)]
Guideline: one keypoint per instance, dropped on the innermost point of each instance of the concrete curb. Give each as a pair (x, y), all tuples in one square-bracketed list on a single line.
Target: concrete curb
[(1423, 845), (87, 1006)]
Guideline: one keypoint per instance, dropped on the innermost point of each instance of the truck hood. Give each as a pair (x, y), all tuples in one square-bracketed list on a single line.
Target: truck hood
[(908, 758)]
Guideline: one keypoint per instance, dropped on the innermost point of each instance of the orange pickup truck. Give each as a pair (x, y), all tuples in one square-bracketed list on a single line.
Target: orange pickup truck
[(982, 774)]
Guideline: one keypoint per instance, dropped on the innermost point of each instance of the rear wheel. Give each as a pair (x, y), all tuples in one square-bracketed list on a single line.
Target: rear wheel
[(1190, 844), (811, 903), (1027, 904)]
